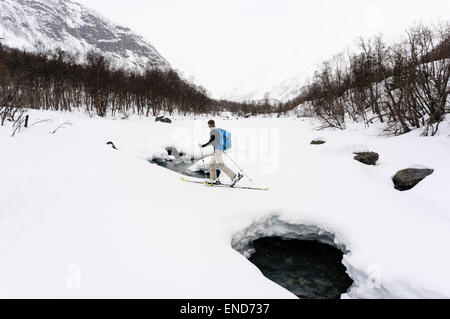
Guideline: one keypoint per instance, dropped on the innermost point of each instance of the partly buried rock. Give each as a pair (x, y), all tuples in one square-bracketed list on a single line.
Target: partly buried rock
[(112, 145), (163, 119), (250, 115), (410, 177), (317, 142), (368, 158), (173, 151)]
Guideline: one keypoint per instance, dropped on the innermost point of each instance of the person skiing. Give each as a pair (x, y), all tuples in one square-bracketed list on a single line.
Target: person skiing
[(216, 141)]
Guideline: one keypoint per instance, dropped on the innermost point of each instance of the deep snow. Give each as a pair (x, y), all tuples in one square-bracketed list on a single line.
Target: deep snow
[(79, 219)]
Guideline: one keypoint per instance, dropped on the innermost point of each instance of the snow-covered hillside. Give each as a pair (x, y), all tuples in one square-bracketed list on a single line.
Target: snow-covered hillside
[(74, 28), (276, 82), (80, 219)]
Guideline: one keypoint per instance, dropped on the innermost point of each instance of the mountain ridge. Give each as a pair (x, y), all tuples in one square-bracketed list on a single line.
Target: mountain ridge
[(73, 27)]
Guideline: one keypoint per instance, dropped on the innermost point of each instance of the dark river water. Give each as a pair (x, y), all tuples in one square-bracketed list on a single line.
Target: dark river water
[(308, 269), (181, 163)]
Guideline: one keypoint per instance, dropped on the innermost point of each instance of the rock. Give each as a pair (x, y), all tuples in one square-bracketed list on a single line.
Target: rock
[(410, 177), (112, 145), (368, 158), (247, 115), (317, 142), (173, 151), (163, 119)]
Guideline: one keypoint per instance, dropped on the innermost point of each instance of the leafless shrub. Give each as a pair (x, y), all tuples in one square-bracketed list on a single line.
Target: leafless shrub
[(404, 85)]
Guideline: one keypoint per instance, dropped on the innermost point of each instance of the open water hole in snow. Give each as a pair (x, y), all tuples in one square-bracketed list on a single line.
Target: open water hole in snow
[(181, 163), (309, 269)]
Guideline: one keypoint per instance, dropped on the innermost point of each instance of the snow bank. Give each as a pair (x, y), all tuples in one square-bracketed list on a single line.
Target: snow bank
[(79, 219)]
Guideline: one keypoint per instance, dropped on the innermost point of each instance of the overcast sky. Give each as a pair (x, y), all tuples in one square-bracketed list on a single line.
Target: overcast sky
[(223, 43)]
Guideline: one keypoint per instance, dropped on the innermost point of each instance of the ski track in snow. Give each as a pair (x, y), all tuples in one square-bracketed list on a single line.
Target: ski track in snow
[(79, 219)]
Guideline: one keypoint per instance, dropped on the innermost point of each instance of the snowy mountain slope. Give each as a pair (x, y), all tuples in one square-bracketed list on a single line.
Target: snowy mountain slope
[(79, 219), (255, 90), (277, 82), (74, 28)]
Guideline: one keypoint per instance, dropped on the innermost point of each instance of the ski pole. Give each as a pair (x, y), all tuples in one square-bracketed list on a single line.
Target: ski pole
[(238, 167), (204, 171)]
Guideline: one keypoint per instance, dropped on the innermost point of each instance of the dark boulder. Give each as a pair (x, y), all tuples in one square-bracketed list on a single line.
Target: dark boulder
[(368, 158), (112, 145), (173, 151), (163, 119), (317, 142), (410, 177)]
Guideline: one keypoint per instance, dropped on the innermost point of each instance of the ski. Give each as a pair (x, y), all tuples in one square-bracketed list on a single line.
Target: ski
[(191, 181), (224, 185), (238, 187)]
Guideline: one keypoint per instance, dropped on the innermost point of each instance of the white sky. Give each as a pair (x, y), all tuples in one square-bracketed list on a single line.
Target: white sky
[(223, 43)]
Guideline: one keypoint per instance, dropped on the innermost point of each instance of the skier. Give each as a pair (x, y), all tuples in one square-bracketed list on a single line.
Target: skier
[(217, 142)]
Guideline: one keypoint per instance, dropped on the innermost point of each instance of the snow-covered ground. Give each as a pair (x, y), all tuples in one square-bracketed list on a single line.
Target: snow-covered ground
[(79, 219)]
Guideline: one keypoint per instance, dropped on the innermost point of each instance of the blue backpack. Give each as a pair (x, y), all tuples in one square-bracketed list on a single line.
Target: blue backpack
[(225, 140)]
